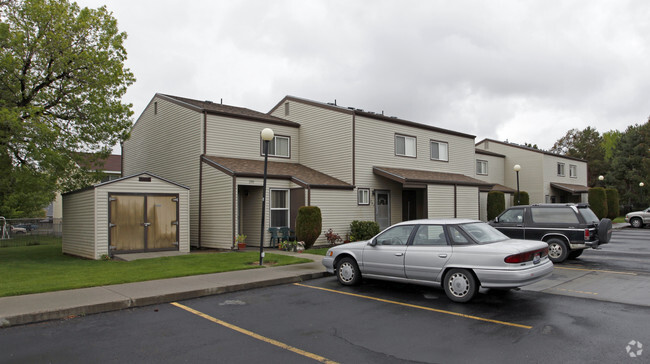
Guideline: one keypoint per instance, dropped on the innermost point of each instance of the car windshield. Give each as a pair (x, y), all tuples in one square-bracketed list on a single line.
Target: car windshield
[(589, 216), (483, 233)]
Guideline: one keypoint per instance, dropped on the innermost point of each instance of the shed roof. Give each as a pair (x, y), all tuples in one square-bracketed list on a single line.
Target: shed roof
[(415, 177), (226, 110), (295, 172)]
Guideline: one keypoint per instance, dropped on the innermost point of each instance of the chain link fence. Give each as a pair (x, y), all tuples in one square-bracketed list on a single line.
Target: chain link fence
[(21, 229)]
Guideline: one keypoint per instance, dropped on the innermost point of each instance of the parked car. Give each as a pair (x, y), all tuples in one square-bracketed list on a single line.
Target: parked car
[(638, 218), (28, 227), (460, 255), (18, 230), (567, 228)]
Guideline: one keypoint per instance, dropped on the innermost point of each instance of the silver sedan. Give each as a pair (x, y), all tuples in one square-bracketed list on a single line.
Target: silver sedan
[(460, 255)]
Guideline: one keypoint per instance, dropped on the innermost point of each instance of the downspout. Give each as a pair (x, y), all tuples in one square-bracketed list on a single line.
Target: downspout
[(205, 127), (354, 148), (455, 200)]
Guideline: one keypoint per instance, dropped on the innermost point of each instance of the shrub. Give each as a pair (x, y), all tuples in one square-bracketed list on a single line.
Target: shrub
[(363, 230), (613, 208), (496, 204), (524, 200), (598, 201), (309, 224), (332, 237)]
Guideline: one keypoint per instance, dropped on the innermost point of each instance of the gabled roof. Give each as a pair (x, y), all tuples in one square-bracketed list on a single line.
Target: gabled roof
[(122, 179), (226, 110), (415, 177), (294, 172), (371, 115), (513, 145)]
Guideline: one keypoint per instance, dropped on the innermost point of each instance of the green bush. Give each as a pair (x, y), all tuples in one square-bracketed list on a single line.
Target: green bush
[(496, 204), (613, 208), (363, 230), (598, 201), (309, 224), (524, 200)]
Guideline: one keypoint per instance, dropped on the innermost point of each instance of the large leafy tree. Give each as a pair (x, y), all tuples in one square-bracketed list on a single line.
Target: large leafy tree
[(631, 166), (62, 77), (585, 144)]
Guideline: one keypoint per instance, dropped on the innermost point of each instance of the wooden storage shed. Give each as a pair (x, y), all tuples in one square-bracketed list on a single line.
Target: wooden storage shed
[(138, 213)]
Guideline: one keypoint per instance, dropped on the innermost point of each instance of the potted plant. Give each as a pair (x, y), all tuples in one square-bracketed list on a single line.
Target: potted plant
[(241, 241), (290, 246)]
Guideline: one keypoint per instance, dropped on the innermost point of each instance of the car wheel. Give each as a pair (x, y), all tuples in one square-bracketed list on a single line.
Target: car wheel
[(557, 250), (460, 285), (573, 254), (636, 222), (348, 272)]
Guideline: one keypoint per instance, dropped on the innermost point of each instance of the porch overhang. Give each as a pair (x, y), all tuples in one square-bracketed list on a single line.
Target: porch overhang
[(571, 188), (296, 173), (413, 178)]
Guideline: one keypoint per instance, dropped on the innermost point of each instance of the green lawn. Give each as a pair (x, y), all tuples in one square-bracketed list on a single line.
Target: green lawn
[(32, 268), (317, 251), (619, 219)]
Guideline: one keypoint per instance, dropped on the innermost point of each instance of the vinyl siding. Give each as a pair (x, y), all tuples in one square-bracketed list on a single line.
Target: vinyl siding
[(338, 209), (550, 172), (325, 138), (467, 202), (217, 210), (483, 203), (496, 169), (237, 138), (441, 201), (169, 145), (79, 224), (375, 146)]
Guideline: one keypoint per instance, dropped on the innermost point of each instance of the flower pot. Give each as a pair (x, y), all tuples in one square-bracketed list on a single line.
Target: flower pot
[(241, 246)]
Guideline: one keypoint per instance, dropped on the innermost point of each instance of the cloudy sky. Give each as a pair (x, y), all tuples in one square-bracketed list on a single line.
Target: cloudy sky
[(525, 71)]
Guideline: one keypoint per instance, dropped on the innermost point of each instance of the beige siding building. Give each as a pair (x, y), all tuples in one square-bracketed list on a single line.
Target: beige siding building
[(547, 177)]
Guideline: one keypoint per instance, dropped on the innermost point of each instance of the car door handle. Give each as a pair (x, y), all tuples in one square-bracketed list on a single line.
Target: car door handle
[(442, 255), (399, 254)]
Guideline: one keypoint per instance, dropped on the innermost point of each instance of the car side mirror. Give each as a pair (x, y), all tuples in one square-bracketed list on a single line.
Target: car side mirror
[(496, 219), (372, 242)]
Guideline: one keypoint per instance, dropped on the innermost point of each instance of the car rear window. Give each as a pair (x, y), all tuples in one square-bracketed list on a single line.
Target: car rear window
[(482, 233), (588, 215), (554, 215)]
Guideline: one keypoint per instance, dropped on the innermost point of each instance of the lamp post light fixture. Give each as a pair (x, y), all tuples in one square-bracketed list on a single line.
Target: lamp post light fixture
[(601, 178), (517, 168), (267, 135), (641, 184)]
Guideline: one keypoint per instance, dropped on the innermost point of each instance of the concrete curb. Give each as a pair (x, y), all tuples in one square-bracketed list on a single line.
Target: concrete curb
[(26, 309)]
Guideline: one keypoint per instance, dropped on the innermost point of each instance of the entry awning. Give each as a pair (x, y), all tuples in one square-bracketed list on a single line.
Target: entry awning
[(570, 187), (297, 173), (419, 179), (502, 188)]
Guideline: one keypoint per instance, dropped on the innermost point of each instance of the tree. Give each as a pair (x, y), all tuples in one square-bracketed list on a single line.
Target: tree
[(631, 165), (62, 77), (496, 204), (584, 144), (309, 224)]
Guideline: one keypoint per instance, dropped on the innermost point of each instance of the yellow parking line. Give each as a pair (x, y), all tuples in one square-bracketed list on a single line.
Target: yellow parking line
[(571, 290), (420, 307), (254, 335), (597, 270)]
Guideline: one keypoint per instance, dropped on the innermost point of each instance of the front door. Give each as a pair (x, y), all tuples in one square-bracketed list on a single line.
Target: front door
[(409, 205), (382, 209)]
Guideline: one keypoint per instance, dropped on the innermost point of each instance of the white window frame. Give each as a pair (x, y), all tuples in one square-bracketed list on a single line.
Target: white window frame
[(363, 196), (278, 209), (573, 171), (561, 170), (438, 143), (484, 170), (406, 145), (273, 146)]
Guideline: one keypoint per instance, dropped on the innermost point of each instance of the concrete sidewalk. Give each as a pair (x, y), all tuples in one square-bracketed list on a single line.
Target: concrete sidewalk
[(18, 310)]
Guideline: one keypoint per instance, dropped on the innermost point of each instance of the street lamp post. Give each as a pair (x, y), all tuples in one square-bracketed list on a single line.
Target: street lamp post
[(267, 136), (517, 168)]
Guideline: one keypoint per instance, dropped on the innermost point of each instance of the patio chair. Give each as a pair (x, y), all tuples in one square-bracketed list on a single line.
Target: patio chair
[(275, 239), (287, 234)]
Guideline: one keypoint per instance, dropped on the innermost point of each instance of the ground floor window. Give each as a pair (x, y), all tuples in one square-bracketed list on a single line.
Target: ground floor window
[(363, 196), (279, 208)]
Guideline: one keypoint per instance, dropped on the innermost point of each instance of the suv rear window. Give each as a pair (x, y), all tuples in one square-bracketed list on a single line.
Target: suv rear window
[(588, 215), (554, 215)]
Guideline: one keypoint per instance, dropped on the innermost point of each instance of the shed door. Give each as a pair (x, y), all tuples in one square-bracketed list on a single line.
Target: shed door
[(143, 222)]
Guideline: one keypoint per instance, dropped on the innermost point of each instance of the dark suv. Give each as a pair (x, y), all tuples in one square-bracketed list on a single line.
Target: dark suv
[(567, 228)]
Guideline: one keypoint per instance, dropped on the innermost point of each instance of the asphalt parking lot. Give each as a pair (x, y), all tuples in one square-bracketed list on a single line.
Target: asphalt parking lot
[(574, 317)]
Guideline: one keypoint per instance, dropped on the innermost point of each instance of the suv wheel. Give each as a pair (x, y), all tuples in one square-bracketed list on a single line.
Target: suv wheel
[(573, 254), (636, 222), (557, 250)]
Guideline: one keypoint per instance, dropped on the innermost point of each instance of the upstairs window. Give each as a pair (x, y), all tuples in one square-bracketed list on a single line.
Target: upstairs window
[(573, 171), (481, 167), (405, 146), (278, 147), (439, 151), (560, 169)]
